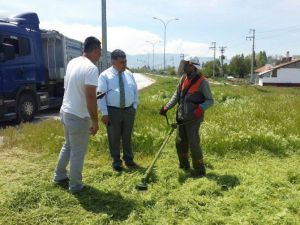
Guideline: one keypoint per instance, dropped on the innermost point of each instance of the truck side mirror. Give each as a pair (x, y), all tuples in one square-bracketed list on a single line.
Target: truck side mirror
[(7, 52)]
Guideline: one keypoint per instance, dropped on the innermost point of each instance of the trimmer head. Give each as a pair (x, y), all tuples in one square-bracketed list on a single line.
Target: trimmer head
[(142, 186)]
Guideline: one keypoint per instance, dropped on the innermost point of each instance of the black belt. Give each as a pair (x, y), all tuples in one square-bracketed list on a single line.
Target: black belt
[(113, 107)]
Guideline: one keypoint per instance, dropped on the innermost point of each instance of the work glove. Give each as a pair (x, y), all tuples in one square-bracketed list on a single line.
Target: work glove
[(198, 112), (163, 111)]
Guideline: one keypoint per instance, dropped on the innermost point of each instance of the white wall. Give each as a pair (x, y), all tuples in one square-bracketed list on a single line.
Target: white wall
[(284, 75)]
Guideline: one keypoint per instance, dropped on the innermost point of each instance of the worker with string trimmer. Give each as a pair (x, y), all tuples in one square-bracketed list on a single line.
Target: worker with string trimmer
[(194, 97)]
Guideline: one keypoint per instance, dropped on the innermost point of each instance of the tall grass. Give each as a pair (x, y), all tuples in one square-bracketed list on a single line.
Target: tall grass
[(243, 120), (251, 143)]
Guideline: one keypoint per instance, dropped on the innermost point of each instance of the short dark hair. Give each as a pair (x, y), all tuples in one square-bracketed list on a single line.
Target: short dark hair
[(90, 44), (118, 53)]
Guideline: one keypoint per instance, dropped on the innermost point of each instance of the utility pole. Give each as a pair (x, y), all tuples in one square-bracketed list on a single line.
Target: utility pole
[(252, 38), (213, 47), (222, 57), (104, 36)]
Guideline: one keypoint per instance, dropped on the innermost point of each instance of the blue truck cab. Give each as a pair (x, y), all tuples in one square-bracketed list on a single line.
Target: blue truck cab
[(32, 67)]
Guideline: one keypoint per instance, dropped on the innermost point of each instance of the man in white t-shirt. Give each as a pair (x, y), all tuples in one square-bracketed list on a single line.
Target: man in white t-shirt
[(78, 109)]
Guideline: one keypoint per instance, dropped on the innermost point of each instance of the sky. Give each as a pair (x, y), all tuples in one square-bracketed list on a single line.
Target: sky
[(201, 22)]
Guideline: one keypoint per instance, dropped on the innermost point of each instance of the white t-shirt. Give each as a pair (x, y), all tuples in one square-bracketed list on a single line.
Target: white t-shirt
[(80, 72)]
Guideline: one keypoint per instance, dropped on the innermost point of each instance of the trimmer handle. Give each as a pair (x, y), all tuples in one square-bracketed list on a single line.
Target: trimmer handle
[(173, 125), (167, 119)]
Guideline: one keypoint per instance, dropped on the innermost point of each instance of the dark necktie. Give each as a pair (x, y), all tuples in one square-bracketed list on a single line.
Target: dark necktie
[(122, 91)]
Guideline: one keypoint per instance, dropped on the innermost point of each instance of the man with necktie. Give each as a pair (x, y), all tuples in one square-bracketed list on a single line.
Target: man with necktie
[(118, 108)]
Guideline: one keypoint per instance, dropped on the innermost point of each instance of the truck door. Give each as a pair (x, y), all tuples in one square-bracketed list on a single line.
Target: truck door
[(2, 109), (22, 70), (18, 74)]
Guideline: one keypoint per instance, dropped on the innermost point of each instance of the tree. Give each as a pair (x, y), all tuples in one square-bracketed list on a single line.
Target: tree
[(226, 68), (261, 59), (240, 66), (171, 71), (273, 60), (207, 68), (247, 64)]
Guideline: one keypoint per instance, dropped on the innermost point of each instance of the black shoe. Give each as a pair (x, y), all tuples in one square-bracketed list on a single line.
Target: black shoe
[(62, 182), (118, 168), (132, 165), (74, 192)]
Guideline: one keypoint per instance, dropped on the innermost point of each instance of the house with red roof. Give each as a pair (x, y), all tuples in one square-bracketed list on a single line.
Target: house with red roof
[(285, 74)]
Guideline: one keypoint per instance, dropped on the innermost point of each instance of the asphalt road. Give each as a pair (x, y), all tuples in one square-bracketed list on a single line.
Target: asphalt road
[(141, 80)]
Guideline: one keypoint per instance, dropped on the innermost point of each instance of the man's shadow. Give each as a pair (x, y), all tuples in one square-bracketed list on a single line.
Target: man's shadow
[(111, 203), (226, 182)]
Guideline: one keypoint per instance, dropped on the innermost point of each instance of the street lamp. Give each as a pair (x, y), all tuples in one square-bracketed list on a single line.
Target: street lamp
[(153, 46), (148, 57), (165, 34), (104, 36)]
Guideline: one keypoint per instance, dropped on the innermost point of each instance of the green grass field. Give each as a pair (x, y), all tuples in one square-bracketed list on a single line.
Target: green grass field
[(251, 144)]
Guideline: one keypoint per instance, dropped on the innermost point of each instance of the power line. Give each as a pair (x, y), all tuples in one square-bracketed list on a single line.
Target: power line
[(238, 44), (279, 29), (278, 35)]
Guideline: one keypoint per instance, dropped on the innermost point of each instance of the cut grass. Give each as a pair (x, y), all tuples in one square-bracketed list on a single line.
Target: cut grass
[(251, 143)]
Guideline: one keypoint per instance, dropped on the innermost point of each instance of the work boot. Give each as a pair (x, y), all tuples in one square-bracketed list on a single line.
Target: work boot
[(132, 165), (184, 166), (118, 168), (199, 169), (183, 161)]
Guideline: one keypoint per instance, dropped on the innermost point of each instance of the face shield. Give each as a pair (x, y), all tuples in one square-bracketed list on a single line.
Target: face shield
[(182, 67)]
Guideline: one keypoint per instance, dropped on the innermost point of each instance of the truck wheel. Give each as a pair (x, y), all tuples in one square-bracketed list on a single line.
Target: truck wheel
[(26, 108)]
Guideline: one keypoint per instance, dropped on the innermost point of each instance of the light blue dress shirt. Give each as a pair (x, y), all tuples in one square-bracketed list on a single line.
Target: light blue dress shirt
[(109, 80)]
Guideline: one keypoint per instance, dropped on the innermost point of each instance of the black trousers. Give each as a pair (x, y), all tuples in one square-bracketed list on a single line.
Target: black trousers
[(120, 129)]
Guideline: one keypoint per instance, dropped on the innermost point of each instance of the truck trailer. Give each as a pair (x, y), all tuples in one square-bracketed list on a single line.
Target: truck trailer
[(33, 63)]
